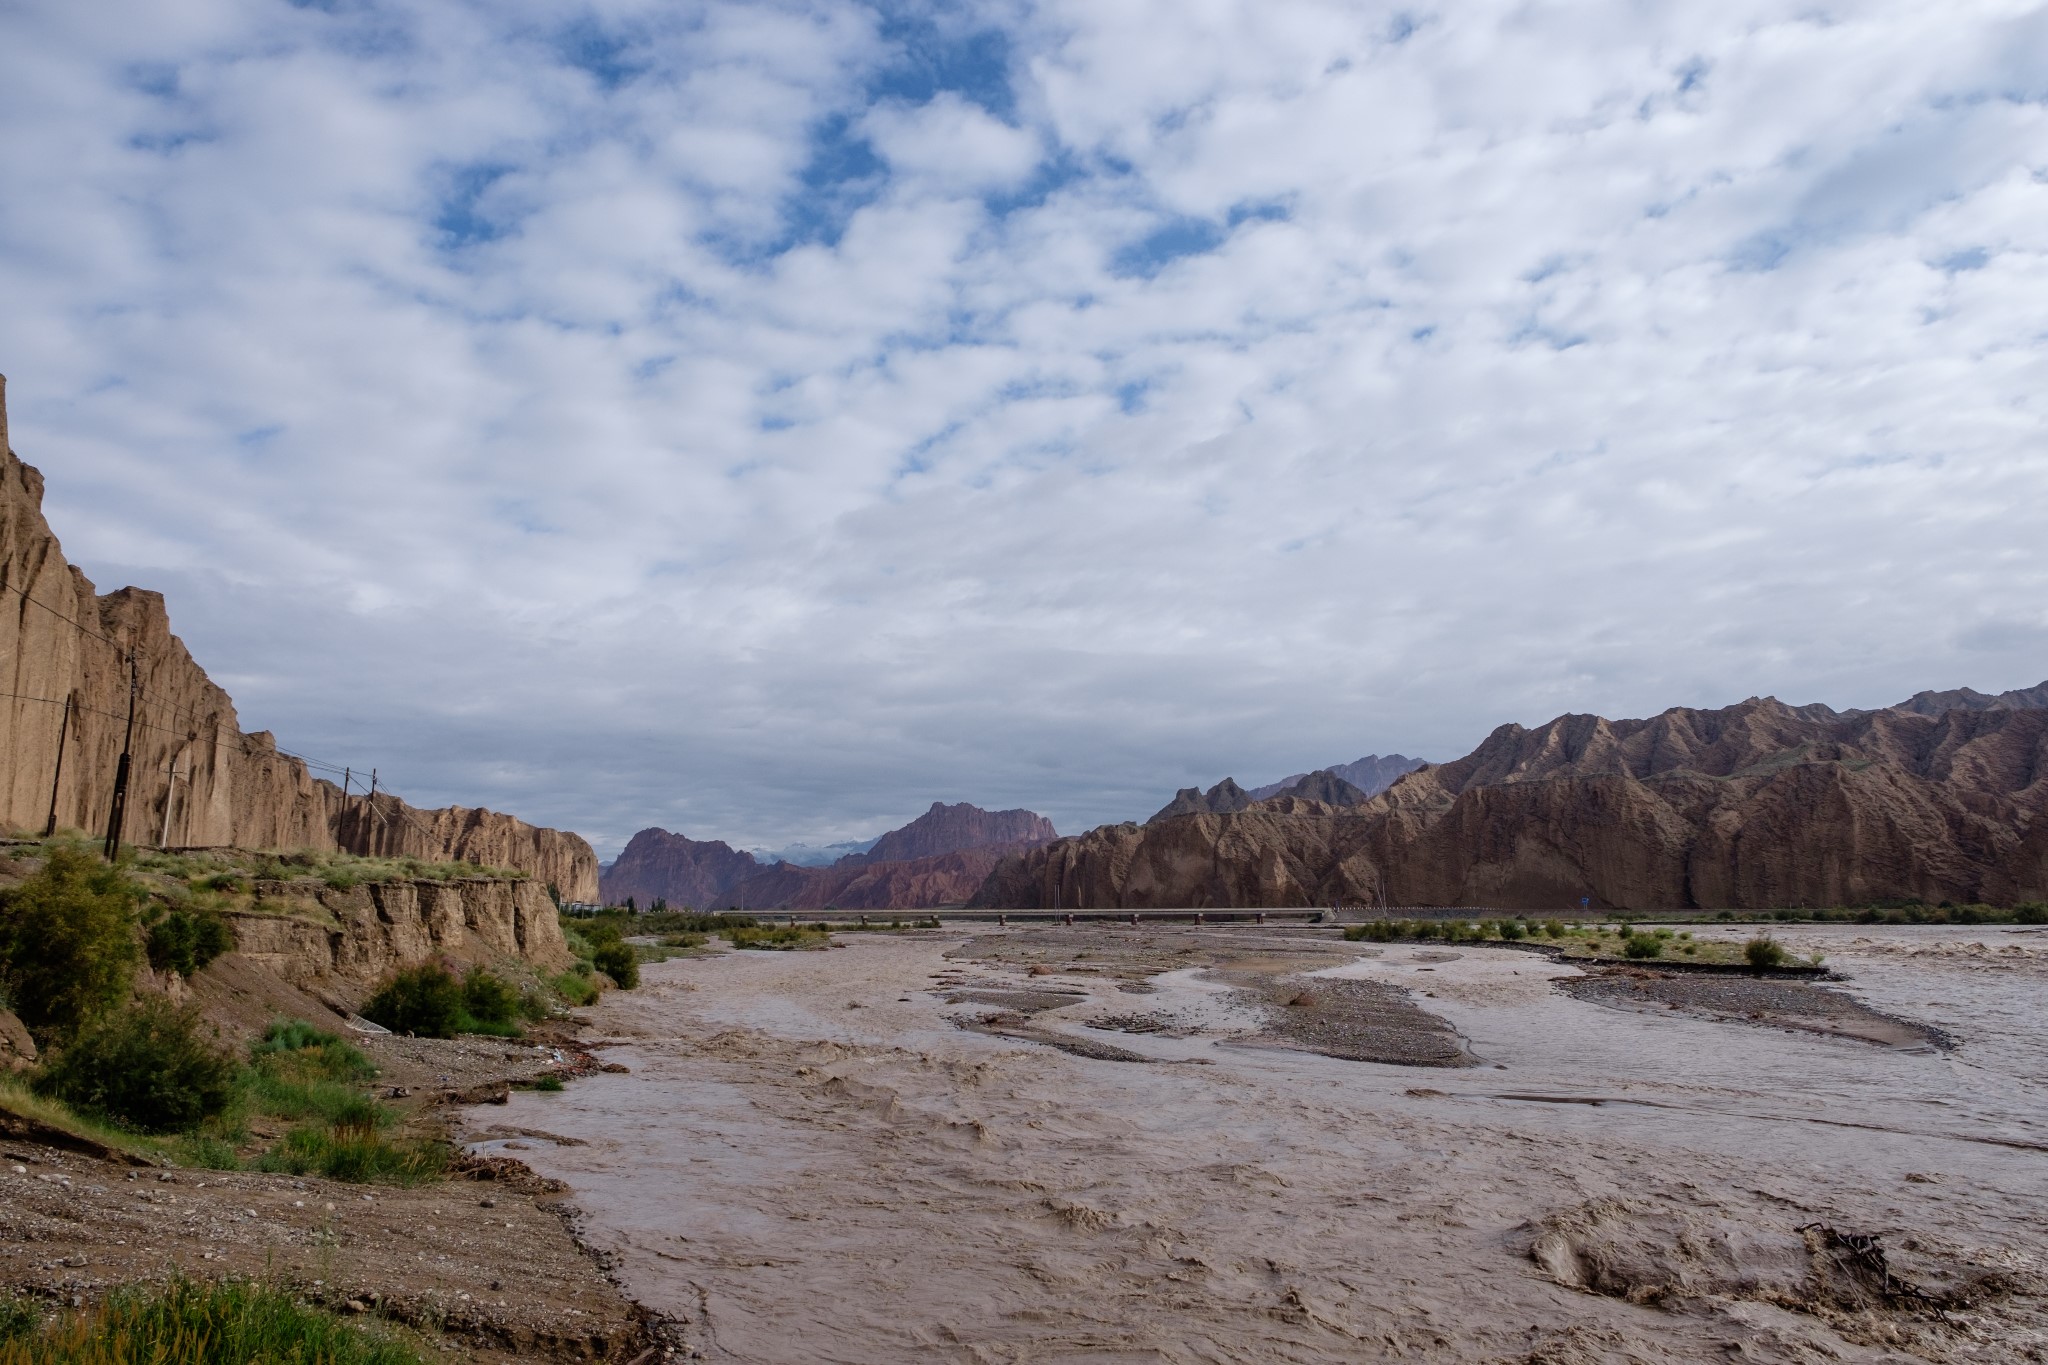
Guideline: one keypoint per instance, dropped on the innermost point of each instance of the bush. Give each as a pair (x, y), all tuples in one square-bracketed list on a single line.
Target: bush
[(184, 941), (1513, 929), (619, 962), (490, 1001), (1642, 945), (574, 988), (192, 1323), (425, 1001), (67, 943), (1764, 951), (144, 1068)]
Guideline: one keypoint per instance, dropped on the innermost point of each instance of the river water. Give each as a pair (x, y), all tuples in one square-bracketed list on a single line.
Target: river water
[(808, 1160)]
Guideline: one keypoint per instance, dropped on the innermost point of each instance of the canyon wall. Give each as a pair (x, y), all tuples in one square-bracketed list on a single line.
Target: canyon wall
[(196, 779), (1751, 806)]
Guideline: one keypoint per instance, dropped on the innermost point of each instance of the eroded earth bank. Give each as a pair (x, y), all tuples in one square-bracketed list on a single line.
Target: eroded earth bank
[(1187, 1144)]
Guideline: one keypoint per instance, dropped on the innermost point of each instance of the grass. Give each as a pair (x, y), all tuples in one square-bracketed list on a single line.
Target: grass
[(16, 1098), (216, 878), (356, 1153), (186, 1322)]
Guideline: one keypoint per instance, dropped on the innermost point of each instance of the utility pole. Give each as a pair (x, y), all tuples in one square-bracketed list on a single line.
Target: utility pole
[(63, 733), (163, 835), (120, 807)]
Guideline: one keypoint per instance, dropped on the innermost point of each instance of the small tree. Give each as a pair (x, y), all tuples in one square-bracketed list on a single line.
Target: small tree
[(617, 961), (1763, 952), (425, 1000), (67, 943), (144, 1068)]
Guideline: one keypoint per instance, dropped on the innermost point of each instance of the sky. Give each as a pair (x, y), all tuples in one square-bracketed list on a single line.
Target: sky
[(764, 419)]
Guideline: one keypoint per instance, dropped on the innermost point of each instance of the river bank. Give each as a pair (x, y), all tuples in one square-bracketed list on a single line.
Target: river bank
[(870, 1154), (483, 1266)]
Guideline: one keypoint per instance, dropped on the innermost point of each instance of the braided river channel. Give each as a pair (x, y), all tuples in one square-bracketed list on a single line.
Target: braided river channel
[(1186, 1143)]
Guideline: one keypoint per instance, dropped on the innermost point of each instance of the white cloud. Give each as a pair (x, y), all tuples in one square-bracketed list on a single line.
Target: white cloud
[(763, 419)]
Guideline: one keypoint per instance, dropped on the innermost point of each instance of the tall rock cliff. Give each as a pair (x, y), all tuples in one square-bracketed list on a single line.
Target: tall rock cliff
[(1750, 806), (197, 779)]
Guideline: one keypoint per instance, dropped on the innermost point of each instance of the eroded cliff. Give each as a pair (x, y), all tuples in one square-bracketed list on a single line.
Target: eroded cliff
[(197, 780), (1749, 806)]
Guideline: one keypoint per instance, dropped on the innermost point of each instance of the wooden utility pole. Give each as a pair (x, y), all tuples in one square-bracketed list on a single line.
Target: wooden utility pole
[(63, 733), (120, 807)]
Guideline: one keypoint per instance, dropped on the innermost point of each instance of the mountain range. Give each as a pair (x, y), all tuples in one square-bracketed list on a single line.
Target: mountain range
[(940, 858), (1754, 805)]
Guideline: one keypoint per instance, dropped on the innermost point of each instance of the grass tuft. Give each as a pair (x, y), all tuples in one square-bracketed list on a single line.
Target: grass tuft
[(187, 1322)]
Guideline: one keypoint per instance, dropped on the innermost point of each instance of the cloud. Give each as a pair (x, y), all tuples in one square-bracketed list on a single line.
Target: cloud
[(763, 419)]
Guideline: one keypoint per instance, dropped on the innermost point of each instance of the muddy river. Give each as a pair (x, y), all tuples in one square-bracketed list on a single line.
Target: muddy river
[(1263, 1144)]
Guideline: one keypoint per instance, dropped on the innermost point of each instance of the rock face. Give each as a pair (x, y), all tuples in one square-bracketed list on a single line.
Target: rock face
[(382, 927), (940, 858), (197, 780), (1372, 775), (1751, 806)]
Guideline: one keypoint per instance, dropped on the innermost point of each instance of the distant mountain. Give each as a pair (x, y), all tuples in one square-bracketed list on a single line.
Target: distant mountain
[(810, 855), (1943, 798), (937, 859), (658, 865), (1371, 775), (1970, 699), (950, 829), (1221, 799), (1325, 786)]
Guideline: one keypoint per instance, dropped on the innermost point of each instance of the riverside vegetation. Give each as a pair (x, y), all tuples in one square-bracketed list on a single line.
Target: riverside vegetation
[(190, 1323), (1624, 941), (130, 1069)]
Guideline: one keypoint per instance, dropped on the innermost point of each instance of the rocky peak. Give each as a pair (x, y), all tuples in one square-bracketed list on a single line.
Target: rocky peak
[(1222, 799), (954, 829)]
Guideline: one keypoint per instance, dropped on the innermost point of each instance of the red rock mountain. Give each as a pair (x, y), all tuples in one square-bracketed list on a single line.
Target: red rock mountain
[(940, 858), (949, 829), (1750, 806), (63, 667)]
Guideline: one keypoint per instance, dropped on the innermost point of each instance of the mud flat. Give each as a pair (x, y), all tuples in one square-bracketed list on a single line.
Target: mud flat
[(872, 1154)]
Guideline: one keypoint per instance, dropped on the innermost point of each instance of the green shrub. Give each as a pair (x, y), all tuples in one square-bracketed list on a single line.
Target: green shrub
[(425, 1001), (1513, 929), (189, 1322), (184, 941), (67, 943), (574, 988), (1553, 928), (1642, 945), (144, 1068), (782, 937), (618, 961), (1764, 951), (548, 1083), (489, 1001)]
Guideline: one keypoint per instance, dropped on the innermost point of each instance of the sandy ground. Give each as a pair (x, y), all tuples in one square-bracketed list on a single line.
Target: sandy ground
[(486, 1269), (871, 1154)]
